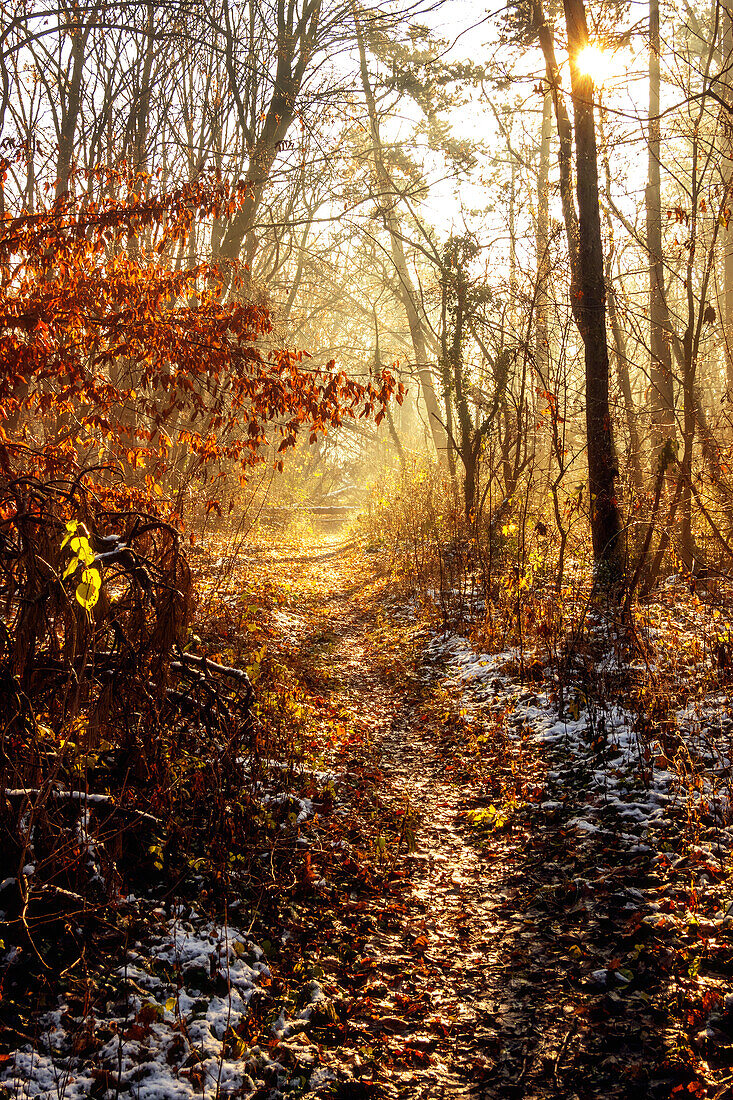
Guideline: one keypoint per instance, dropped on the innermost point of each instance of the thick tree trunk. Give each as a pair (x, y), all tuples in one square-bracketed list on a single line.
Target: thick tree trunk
[(590, 310), (727, 317), (660, 371)]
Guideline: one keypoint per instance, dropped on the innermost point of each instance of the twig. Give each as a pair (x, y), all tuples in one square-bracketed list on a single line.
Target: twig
[(57, 795), (561, 1052)]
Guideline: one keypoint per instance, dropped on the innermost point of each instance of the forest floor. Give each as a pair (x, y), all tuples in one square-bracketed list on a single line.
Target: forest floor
[(481, 899), (515, 946)]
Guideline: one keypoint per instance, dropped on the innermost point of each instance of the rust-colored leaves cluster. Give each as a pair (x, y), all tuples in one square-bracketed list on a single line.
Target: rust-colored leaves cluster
[(115, 351)]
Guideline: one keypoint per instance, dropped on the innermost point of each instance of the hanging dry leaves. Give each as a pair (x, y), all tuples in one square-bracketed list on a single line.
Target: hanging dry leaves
[(112, 354)]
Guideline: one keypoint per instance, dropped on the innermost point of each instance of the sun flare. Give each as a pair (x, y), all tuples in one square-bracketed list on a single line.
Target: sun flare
[(600, 65)]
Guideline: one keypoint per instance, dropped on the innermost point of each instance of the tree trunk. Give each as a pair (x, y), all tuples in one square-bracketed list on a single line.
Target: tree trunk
[(727, 317), (542, 239), (687, 548), (543, 450), (297, 37), (71, 98), (660, 372), (624, 381), (407, 292), (590, 310)]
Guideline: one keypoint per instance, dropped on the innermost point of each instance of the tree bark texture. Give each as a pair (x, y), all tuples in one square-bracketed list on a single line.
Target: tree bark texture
[(587, 284), (660, 372), (590, 311)]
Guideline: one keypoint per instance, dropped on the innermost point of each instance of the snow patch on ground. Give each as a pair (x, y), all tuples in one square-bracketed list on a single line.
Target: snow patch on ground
[(162, 1035), (629, 789)]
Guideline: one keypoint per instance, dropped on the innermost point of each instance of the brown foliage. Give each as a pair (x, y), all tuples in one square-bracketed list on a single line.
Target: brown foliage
[(112, 354)]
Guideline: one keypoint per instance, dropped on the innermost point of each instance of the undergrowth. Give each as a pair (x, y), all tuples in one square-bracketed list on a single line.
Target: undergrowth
[(512, 585), (152, 747)]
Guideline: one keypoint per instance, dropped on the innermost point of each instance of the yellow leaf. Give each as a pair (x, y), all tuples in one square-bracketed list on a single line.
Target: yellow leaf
[(70, 568), (71, 527), (87, 595)]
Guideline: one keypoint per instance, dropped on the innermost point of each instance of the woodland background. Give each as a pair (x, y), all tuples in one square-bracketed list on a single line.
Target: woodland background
[(458, 281)]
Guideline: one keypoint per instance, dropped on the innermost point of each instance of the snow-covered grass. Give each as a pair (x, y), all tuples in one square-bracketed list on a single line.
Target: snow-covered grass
[(633, 780), (171, 1019), (158, 1032)]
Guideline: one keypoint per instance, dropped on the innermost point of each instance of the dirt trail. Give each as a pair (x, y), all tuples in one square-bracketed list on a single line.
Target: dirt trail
[(451, 898), (420, 942), (527, 961), (435, 982)]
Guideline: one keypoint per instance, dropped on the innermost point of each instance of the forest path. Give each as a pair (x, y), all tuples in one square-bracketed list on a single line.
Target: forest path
[(427, 985), (433, 967), (485, 921)]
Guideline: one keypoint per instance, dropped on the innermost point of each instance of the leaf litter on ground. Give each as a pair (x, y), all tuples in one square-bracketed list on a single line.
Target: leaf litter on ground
[(469, 894)]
